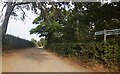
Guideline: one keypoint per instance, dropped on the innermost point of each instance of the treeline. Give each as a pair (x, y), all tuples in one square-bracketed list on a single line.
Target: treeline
[(12, 42), (41, 43), (69, 31)]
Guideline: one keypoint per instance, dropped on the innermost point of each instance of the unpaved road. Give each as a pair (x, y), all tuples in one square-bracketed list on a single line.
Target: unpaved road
[(0, 63), (35, 60)]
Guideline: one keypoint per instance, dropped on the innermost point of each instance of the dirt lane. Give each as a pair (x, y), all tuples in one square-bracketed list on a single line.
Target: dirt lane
[(35, 60), (0, 63)]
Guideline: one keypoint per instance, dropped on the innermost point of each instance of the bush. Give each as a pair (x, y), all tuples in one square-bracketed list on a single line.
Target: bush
[(99, 52)]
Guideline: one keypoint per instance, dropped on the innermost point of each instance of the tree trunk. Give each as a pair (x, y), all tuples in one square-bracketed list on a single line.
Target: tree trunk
[(49, 37), (8, 12)]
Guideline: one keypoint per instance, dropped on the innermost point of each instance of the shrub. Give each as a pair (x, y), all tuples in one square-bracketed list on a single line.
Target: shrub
[(100, 52)]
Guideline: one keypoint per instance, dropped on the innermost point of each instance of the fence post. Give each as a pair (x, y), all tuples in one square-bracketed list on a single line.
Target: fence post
[(105, 35)]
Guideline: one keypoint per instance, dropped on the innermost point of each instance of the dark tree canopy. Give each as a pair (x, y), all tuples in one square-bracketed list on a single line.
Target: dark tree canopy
[(76, 24)]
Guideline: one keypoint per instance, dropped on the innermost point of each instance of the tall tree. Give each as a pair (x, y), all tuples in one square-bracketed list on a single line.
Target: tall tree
[(77, 24), (13, 5), (9, 11), (50, 22)]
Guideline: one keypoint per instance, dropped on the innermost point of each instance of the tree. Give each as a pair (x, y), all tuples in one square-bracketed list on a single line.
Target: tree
[(104, 17), (34, 41), (9, 11), (41, 42), (49, 22), (69, 25), (12, 6), (77, 24)]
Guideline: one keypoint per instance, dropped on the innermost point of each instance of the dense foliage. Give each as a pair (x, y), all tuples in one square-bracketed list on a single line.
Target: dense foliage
[(70, 30), (12, 42), (108, 54), (39, 43), (34, 41), (42, 42)]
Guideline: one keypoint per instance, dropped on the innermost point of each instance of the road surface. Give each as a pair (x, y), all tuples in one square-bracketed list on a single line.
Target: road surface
[(0, 63), (36, 60)]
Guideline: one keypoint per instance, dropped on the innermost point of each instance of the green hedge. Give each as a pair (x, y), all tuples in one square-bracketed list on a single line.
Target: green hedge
[(12, 42), (98, 52)]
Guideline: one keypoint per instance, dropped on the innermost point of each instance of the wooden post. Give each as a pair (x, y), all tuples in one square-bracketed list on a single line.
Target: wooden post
[(105, 35)]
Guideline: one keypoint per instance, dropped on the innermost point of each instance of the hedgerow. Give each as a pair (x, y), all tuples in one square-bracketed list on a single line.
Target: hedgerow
[(12, 42), (97, 52)]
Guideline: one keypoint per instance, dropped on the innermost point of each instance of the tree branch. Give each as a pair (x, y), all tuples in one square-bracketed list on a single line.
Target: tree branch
[(23, 12), (2, 11), (21, 3)]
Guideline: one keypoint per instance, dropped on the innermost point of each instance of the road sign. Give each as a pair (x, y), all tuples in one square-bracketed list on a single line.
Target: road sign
[(113, 32), (99, 32), (108, 32)]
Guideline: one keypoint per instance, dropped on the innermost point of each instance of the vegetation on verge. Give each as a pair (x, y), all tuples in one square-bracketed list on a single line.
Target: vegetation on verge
[(95, 52), (39, 43), (42, 42)]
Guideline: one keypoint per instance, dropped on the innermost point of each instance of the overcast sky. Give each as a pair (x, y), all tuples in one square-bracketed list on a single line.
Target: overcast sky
[(21, 28)]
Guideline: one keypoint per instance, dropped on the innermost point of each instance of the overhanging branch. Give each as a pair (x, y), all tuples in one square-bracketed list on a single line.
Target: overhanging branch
[(24, 14), (2, 11), (21, 3)]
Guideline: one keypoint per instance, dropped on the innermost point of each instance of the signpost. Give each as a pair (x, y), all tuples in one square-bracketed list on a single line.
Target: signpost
[(108, 32)]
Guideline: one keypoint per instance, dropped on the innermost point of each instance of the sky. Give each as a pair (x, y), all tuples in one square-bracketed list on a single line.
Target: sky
[(21, 28)]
